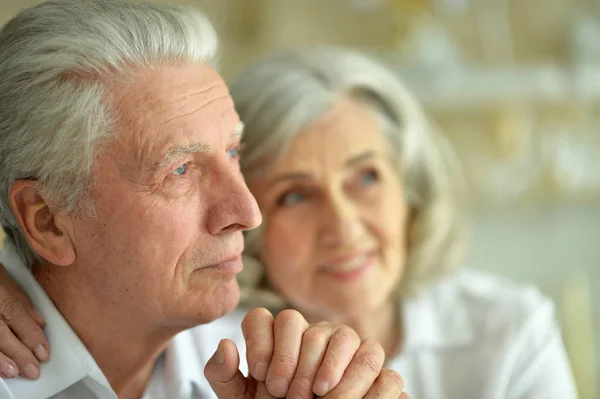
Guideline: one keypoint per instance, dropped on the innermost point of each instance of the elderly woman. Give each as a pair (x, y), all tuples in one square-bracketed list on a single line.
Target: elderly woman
[(362, 226)]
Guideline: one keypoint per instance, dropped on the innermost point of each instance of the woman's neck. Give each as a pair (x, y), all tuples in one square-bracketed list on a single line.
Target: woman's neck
[(383, 325)]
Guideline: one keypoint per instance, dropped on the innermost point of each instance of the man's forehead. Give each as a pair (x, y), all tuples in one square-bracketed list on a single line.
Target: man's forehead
[(165, 92), (185, 106)]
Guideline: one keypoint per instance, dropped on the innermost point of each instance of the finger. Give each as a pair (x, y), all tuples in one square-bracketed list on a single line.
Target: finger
[(25, 328), (343, 346), (388, 385), (17, 311), (361, 373), (37, 316), (404, 395), (8, 368), (10, 289), (288, 329), (257, 327), (15, 350), (223, 374), (262, 392), (314, 346)]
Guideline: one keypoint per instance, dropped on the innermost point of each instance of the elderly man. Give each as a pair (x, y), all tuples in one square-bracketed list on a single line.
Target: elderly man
[(124, 206)]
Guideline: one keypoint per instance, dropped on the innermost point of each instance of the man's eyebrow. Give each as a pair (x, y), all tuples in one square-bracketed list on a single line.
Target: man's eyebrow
[(238, 132), (178, 151)]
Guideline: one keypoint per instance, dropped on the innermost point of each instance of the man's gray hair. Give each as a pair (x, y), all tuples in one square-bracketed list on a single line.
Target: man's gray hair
[(56, 60), (283, 94)]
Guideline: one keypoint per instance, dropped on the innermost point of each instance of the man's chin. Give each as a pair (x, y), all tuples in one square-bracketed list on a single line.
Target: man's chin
[(222, 300)]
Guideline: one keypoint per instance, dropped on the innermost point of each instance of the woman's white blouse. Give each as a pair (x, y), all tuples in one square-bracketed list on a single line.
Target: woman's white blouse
[(470, 336)]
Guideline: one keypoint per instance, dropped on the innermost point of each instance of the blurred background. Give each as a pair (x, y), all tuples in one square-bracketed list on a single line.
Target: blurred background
[(515, 84)]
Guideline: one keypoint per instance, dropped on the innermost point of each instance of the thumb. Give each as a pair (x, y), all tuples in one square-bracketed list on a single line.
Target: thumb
[(223, 374)]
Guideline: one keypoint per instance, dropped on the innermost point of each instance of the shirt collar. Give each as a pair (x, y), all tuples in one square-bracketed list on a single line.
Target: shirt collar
[(69, 361), (183, 366), (436, 318), (191, 350)]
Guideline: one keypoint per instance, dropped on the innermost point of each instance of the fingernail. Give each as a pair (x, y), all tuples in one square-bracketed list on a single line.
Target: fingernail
[(321, 388), (41, 353), (278, 386), (9, 370), (219, 357), (260, 371), (31, 371)]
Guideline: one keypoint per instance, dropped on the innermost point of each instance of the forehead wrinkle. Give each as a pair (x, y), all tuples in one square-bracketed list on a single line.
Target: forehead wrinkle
[(200, 106), (176, 90)]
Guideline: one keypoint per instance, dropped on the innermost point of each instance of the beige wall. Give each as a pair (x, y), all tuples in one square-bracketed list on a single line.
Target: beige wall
[(514, 152), (251, 27)]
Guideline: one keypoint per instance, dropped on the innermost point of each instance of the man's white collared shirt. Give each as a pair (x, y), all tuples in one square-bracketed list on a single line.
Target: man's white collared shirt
[(72, 373)]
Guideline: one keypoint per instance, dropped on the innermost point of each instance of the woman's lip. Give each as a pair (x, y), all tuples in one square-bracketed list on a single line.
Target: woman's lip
[(347, 258), (353, 274)]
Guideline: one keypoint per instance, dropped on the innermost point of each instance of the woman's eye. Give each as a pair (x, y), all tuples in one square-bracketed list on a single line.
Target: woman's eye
[(369, 177), (180, 170), (291, 198)]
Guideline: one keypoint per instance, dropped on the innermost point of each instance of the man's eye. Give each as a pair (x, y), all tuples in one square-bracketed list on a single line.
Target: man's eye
[(180, 170), (234, 152)]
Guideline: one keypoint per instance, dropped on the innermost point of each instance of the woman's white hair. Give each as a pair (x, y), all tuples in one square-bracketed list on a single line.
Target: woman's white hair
[(284, 93), (55, 62)]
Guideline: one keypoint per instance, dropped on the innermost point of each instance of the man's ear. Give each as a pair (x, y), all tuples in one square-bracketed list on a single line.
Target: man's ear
[(47, 231)]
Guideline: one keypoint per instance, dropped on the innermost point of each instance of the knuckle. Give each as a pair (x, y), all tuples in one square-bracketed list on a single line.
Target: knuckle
[(315, 335), (303, 380), (4, 329), (288, 313), (370, 363), (254, 315), (10, 310), (291, 316), (286, 360), (332, 363), (394, 378), (23, 356), (259, 351), (374, 347), (371, 357), (345, 335), (283, 366)]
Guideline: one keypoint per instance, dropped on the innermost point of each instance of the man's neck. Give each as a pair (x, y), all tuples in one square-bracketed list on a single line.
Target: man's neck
[(124, 347)]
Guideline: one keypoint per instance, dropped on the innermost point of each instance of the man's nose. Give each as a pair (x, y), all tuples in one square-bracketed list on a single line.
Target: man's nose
[(234, 207)]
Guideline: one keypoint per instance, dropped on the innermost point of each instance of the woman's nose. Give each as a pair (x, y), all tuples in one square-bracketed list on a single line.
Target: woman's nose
[(341, 222)]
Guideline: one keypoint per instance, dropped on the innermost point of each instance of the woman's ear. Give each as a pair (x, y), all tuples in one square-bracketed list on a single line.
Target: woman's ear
[(47, 231)]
